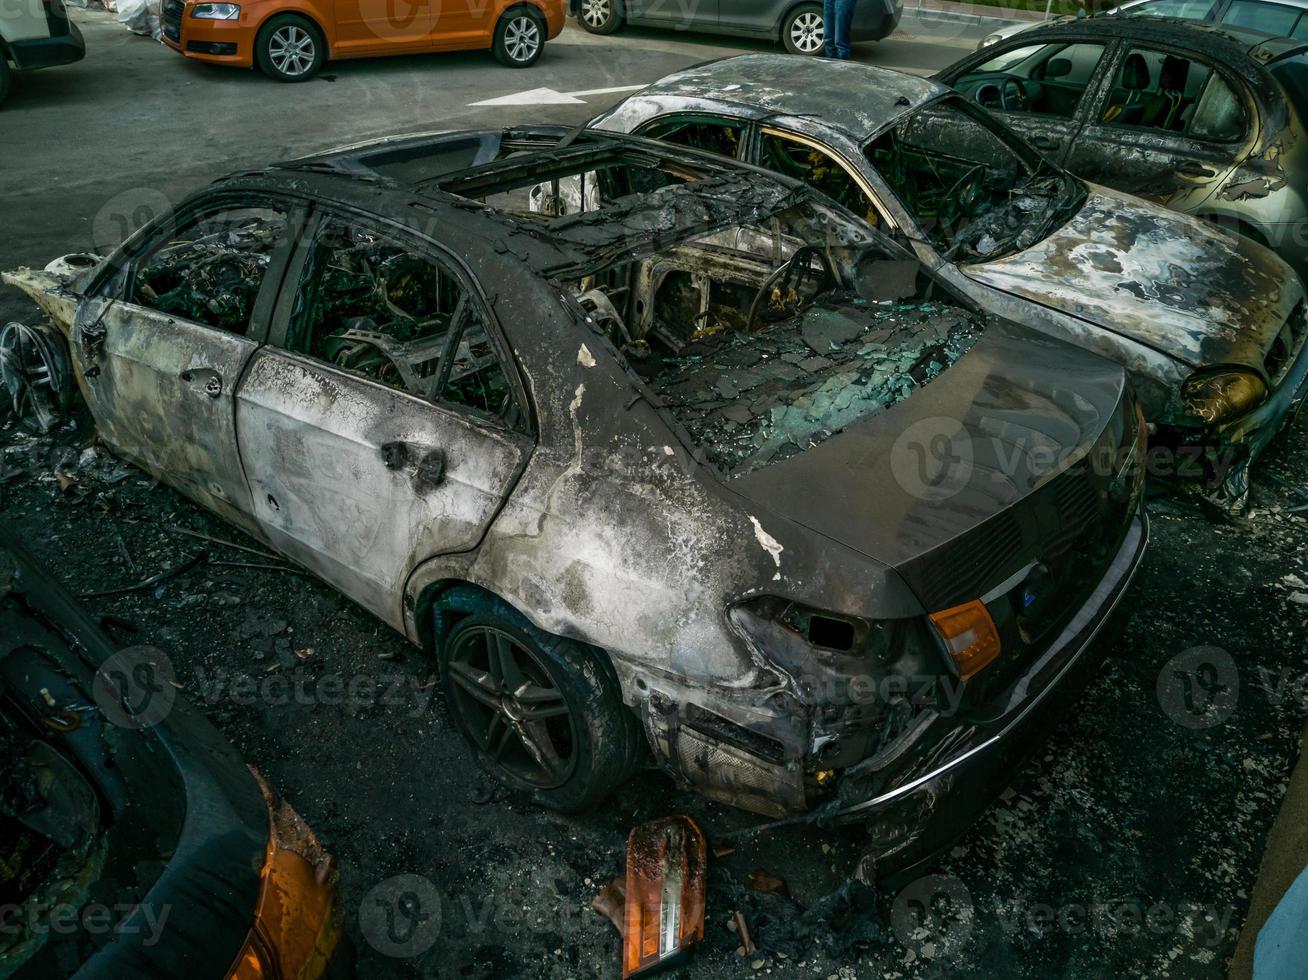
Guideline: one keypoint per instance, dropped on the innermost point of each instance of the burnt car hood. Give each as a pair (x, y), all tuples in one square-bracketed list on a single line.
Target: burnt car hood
[(1168, 281), (1018, 413)]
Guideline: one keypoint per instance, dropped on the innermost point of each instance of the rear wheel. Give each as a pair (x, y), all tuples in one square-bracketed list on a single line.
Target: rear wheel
[(601, 16), (542, 713), (519, 38), (290, 49), (802, 31)]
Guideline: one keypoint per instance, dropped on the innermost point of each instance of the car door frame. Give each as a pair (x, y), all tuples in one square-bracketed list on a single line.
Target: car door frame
[(103, 300), (1204, 187), (522, 432), (1094, 89)]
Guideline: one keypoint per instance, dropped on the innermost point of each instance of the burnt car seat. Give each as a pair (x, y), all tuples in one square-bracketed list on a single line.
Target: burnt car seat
[(1134, 83), (1163, 108)]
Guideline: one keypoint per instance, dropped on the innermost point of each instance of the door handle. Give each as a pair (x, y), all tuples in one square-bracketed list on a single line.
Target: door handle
[(1045, 143), (1195, 170), (210, 381)]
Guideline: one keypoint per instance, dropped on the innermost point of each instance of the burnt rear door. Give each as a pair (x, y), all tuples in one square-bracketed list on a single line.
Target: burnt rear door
[(163, 345), (1167, 126), (383, 424)]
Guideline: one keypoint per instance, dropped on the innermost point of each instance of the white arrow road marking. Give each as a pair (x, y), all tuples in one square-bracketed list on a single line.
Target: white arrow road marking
[(548, 96)]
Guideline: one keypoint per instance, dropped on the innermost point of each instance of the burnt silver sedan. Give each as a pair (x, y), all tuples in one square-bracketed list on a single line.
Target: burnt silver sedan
[(1211, 328), (650, 450)]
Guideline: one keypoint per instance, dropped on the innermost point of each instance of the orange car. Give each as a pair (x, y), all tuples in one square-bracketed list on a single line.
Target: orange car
[(290, 40)]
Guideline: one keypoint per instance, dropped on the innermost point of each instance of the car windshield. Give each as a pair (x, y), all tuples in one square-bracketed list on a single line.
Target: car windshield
[(973, 190)]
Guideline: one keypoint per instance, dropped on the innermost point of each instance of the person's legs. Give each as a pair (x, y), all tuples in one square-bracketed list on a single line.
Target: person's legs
[(841, 25), (829, 18)]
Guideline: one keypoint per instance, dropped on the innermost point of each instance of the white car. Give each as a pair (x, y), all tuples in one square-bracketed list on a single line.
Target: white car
[(1245, 13), (36, 35)]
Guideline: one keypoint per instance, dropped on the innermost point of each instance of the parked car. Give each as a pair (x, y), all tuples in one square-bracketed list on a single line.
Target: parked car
[(795, 23), (290, 40), (36, 35), (1210, 329), (135, 842), (642, 445), (1191, 116), (1281, 18)]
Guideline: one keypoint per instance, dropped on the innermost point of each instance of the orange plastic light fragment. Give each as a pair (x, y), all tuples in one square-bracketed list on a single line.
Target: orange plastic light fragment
[(664, 913), (970, 636)]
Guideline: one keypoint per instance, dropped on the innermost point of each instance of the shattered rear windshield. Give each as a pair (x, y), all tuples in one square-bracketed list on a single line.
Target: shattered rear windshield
[(764, 340), (970, 192)]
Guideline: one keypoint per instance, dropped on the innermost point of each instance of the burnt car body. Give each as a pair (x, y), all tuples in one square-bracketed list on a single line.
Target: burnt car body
[(644, 470), (1211, 329), (135, 842), (1189, 115)]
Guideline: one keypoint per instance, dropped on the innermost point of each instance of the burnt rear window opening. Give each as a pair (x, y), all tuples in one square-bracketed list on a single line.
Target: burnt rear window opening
[(764, 340), (969, 190)]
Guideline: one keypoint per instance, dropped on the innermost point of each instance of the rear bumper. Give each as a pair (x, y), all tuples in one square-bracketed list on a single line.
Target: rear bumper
[(876, 19), (923, 808), (47, 52)]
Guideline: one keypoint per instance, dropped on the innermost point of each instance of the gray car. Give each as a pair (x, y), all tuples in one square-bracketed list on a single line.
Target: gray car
[(795, 23), (658, 468), (1211, 328)]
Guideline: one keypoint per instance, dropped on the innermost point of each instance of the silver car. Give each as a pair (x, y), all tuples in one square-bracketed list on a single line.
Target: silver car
[(1210, 328)]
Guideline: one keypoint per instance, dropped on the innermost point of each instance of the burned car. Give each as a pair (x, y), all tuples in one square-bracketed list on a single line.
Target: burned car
[(1202, 118), (699, 464), (135, 842), (1210, 329)]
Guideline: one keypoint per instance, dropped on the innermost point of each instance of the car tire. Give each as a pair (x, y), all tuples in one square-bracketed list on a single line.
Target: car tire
[(600, 16), (290, 49), (802, 30), (498, 670), (519, 38), (6, 78)]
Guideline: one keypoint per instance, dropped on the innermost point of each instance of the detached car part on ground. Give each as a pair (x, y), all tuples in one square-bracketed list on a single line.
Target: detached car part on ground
[(134, 841), (798, 24), (291, 40), (36, 35), (709, 466), (1204, 119), (1210, 328)]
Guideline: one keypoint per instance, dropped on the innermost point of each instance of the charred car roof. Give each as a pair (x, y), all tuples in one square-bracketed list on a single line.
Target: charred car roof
[(855, 98), (702, 194)]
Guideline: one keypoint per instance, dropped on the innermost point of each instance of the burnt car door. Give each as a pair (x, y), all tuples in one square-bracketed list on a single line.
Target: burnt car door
[(384, 423), (1040, 90), (1168, 127), (162, 342)]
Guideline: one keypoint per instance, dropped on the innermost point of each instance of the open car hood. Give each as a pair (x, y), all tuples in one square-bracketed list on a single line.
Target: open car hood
[(1169, 281)]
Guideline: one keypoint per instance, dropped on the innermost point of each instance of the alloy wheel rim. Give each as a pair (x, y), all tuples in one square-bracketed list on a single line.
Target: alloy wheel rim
[(595, 12), (522, 38), (291, 50), (519, 720), (807, 33), (31, 380)]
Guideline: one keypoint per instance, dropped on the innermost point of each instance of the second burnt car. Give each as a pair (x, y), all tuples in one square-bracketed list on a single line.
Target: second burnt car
[(1210, 328), (699, 463)]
